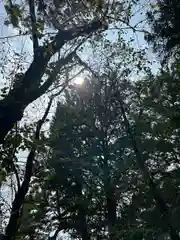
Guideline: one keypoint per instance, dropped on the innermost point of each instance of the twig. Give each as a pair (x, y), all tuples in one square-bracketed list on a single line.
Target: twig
[(65, 83), (129, 26), (58, 66), (81, 62), (10, 4)]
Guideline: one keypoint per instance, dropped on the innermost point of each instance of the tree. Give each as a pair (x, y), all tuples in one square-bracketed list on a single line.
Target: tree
[(43, 71), (159, 208), (90, 151), (12, 226), (31, 84), (164, 21), (110, 167), (84, 158)]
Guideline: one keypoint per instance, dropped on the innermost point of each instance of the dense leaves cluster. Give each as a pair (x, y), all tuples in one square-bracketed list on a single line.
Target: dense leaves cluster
[(164, 19), (94, 187)]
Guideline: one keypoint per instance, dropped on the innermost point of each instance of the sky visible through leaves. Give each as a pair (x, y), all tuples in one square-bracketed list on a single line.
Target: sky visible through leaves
[(16, 49)]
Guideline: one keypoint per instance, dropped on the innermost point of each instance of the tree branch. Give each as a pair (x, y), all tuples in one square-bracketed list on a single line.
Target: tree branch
[(13, 105), (12, 226), (16, 174), (67, 35), (61, 62), (33, 25), (85, 65), (67, 80)]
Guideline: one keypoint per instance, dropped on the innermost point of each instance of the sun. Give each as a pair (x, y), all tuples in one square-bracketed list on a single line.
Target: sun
[(79, 80)]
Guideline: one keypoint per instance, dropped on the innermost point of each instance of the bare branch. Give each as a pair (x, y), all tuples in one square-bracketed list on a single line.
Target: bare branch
[(129, 26), (69, 80), (86, 66)]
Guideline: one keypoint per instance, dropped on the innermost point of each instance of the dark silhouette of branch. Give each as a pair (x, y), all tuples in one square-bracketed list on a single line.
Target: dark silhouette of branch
[(61, 62), (33, 25), (16, 175), (51, 78), (13, 105), (67, 80), (86, 66), (12, 226), (12, 160), (10, 4)]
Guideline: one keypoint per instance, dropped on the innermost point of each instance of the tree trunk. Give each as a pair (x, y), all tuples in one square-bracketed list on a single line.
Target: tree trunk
[(111, 211), (83, 229), (109, 189)]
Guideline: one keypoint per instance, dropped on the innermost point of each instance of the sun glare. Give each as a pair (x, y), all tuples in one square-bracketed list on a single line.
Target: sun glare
[(79, 80)]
